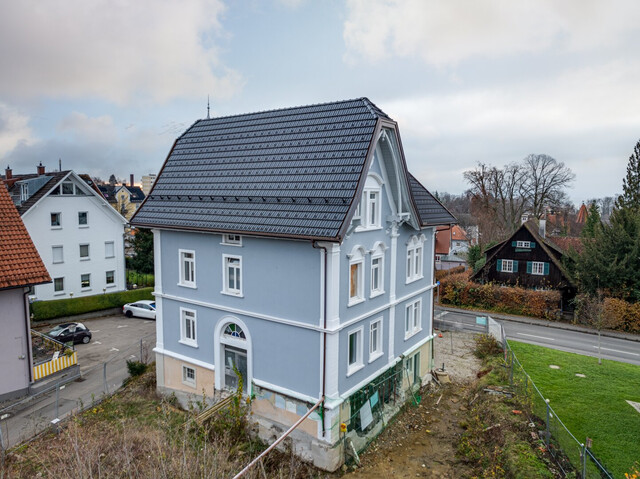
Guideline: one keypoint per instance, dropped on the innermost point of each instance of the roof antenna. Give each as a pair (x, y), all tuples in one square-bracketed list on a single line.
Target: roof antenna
[(208, 117), (59, 164)]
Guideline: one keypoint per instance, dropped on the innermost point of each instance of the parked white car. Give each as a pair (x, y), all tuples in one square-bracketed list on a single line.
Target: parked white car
[(141, 309)]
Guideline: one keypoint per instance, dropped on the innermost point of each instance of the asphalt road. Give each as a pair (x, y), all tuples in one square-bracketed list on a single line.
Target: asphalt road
[(616, 349), (102, 362)]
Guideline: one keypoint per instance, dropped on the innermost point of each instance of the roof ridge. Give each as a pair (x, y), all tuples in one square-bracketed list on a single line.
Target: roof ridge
[(364, 100)]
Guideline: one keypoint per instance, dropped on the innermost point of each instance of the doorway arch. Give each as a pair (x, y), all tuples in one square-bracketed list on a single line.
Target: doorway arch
[(233, 348)]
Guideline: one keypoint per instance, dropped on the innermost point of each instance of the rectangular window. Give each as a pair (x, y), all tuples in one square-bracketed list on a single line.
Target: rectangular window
[(375, 340), (377, 275), (189, 376), (537, 267), (109, 249), (412, 365), (374, 214), (82, 218), (355, 283), (187, 268), (58, 285), (523, 244), (232, 275), (234, 240), (57, 254), (414, 260), (110, 277), (507, 266), (56, 220), (354, 354), (413, 319), (24, 192), (84, 251), (85, 281), (67, 188), (188, 327)]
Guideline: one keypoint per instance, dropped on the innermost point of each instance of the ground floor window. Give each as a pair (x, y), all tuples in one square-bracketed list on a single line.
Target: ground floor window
[(235, 366), (412, 366), (189, 376)]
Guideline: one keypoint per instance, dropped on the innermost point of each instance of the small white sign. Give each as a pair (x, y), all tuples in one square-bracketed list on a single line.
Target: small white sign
[(55, 355), (365, 416)]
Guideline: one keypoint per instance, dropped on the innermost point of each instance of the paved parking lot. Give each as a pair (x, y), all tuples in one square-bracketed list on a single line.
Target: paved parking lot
[(111, 336)]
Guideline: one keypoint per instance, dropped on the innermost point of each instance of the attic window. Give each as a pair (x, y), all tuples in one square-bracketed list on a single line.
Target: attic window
[(67, 188), (233, 240), (24, 191), (523, 244)]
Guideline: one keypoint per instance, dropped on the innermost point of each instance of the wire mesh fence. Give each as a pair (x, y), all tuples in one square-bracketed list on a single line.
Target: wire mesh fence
[(569, 454), (70, 393)]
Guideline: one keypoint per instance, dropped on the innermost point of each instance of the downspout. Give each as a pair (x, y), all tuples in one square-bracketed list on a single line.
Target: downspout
[(27, 317), (324, 332)]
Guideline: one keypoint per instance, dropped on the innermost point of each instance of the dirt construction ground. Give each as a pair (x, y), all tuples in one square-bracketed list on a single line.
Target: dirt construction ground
[(421, 442)]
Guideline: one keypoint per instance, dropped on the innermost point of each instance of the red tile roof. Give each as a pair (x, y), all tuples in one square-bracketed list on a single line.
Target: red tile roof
[(458, 233), (20, 263), (567, 242)]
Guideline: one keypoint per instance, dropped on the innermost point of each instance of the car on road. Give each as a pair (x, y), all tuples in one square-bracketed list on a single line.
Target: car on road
[(71, 332), (141, 309)]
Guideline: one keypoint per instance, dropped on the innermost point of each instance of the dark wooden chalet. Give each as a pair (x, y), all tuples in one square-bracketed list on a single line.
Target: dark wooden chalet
[(529, 260)]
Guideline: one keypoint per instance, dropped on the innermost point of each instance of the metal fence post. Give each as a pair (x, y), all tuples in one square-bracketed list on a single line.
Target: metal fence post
[(548, 434), (104, 375), (584, 461), (511, 371), (141, 360), (57, 400)]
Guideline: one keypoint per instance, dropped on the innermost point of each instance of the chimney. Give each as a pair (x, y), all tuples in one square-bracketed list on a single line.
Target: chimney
[(8, 173), (131, 179), (543, 228), (40, 169)]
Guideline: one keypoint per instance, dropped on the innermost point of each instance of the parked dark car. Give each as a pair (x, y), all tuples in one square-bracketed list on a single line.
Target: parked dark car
[(68, 332)]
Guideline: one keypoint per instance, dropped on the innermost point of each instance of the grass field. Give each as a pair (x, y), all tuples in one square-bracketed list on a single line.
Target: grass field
[(594, 406)]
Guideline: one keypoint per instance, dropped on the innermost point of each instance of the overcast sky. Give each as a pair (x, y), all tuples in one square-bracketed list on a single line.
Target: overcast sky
[(107, 86)]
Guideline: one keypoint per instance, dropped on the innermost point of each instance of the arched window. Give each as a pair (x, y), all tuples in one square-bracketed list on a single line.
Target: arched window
[(234, 331), (415, 258), (377, 269), (356, 275)]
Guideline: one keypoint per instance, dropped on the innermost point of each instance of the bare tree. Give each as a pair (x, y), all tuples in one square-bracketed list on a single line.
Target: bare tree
[(590, 311), (546, 180)]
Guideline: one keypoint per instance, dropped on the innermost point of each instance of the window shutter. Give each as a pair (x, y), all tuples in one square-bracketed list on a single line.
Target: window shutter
[(533, 244), (515, 266), (546, 268), (529, 267), (499, 265), (514, 243)]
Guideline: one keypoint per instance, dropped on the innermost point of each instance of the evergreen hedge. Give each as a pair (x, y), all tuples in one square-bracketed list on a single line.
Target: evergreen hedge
[(57, 308)]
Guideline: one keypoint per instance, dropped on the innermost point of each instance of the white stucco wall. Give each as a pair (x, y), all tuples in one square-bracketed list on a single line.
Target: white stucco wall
[(103, 226)]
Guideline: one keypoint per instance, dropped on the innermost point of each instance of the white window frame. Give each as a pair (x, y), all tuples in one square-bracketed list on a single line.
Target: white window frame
[(506, 266), (186, 380), (61, 291), (85, 288), (537, 268), (59, 216), (367, 206), (24, 192), (106, 249), (187, 282), (415, 259), (192, 316), (413, 319), (356, 258), (225, 275), (523, 244), (86, 215), (231, 240), (106, 278), (53, 254), (358, 364), (377, 253), (88, 256), (375, 346), (73, 188)]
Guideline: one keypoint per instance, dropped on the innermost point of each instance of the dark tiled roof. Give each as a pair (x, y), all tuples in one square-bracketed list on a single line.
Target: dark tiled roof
[(108, 191), (137, 194), (34, 198), (431, 211), (291, 173), (20, 263)]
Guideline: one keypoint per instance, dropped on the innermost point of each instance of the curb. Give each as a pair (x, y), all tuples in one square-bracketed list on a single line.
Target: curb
[(543, 322)]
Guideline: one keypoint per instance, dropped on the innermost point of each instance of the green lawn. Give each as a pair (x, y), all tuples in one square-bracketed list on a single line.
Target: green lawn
[(594, 406)]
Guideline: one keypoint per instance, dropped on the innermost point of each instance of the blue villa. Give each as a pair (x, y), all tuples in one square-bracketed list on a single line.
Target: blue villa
[(295, 245)]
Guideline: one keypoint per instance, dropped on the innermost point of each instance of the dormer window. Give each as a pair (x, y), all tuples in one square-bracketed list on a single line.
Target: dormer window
[(24, 191)]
